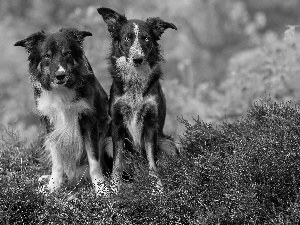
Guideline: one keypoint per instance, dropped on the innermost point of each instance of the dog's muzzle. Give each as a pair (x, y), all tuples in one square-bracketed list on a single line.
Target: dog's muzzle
[(60, 79), (138, 60), (60, 76)]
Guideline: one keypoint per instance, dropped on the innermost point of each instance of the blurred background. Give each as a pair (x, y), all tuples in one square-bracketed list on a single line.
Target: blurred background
[(225, 55)]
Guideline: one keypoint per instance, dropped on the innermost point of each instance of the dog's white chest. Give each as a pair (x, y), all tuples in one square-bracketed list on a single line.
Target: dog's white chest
[(61, 106), (63, 111), (133, 119)]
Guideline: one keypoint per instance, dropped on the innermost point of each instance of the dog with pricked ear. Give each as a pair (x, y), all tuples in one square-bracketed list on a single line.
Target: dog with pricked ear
[(71, 103), (137, 104)]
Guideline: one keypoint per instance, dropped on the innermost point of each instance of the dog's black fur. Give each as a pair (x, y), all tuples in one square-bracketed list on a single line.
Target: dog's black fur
[(72, 104), (137, 103)]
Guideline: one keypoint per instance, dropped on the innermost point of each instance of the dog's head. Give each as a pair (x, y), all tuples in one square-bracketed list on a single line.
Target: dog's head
[(135, 41), (57, 59)]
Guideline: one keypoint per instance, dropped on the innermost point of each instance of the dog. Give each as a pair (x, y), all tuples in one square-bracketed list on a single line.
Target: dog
[(71, 103), (137, 104)]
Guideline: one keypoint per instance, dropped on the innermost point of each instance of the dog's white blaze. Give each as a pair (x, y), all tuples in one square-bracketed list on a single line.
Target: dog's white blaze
[(63, 110), (136, 48), (61, 69)]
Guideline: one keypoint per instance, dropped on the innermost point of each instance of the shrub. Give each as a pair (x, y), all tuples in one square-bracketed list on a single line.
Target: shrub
[(245, 172), (252, 165)]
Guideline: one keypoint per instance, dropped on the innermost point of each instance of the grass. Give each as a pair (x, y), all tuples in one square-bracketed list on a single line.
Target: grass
[(245, 172)]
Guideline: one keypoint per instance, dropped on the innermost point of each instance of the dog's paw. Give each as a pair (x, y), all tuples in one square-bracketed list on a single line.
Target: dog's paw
[(54, 183), (158, 188), (44, 179), (101, 188), (49, 183), (44, 190), (115, 186), (115, 189)]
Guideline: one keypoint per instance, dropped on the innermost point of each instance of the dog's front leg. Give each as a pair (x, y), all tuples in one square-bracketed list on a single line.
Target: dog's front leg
[(151, 148), (56, 178), (91, 140), (118, 144)]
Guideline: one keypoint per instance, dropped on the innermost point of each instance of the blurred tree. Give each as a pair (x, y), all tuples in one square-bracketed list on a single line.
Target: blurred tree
[(278, 13), (271, 71), (196, 78)]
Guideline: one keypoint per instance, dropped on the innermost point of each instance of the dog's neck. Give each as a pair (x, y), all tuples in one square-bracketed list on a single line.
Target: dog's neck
[(135, 80)]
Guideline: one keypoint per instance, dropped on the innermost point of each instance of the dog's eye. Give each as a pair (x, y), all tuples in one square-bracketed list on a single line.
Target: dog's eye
[(145, 38), (47, 55), (68, 53)]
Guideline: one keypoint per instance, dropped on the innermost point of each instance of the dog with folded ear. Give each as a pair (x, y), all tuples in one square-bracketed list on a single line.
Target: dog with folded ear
[(71, 103), (137, 104)]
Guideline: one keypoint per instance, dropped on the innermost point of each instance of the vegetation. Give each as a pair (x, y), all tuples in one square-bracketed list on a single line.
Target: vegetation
[(213, 60), (219, 65), (245, 172)]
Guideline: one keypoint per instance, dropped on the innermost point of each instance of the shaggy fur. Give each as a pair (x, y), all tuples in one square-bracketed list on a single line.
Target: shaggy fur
[(72, 104), (137, 103)]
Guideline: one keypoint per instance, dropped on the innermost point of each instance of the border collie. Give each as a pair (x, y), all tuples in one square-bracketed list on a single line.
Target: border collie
[(72, 104), (137, 103)]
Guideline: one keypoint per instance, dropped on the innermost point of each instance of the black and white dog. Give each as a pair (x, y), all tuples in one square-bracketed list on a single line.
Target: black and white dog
[(72, 104), (137, 102)]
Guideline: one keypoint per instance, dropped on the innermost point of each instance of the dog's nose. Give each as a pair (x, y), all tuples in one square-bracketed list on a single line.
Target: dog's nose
[(60, 77), (138, 60), (60, 74)]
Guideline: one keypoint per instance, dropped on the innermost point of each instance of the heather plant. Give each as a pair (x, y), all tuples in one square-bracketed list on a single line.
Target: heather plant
[(243, 171), (246, 172), (251, 166)]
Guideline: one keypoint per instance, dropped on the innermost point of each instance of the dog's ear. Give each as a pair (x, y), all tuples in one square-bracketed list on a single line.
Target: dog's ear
[(30, 42), (83, 34), (76, 34), (112, 19), (80, 35), (159, 26)]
